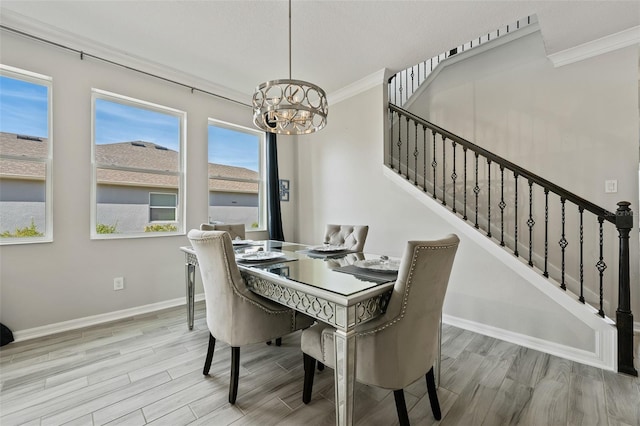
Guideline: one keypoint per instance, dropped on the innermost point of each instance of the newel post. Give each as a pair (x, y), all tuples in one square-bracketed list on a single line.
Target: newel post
[(624, 316)]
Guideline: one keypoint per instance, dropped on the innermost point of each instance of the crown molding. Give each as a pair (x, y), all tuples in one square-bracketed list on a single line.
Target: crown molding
[(597, 47), (65, 39), (372, 80)]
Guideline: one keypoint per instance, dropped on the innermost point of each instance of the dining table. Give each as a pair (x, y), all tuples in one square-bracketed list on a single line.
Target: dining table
[(329, 283)]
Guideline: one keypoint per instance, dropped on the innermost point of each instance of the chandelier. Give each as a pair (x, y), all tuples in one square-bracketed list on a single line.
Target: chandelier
[(290, 107)]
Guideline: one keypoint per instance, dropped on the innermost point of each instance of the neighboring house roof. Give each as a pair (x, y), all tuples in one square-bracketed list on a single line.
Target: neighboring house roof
[(133, 155), (22, 146)]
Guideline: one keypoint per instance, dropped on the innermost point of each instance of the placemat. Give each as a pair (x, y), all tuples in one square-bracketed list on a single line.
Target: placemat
[(376, 277), (319, 255), (266, 262)]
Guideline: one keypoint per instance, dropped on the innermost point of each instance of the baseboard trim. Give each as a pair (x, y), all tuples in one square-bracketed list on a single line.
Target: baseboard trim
[(603, 357), (60, 327)]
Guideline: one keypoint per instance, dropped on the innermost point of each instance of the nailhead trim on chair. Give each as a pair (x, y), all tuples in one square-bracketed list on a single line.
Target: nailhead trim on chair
[(287, 311), (405, 298)]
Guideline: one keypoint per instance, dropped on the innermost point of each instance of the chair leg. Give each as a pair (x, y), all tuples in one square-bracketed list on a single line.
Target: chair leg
[(320, 366), (401, 407), (207, 361), (309, 371), (279, 341), (235, 372), (433, 395)]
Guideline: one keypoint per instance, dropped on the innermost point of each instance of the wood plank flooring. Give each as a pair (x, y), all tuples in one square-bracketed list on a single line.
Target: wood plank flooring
[(148, 370)]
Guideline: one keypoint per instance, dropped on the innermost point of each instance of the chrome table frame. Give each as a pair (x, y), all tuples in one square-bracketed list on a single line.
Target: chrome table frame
[(342, 312)]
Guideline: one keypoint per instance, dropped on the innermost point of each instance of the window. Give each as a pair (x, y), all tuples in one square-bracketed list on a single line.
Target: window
[(138, 168), (162, 207), (236, 175), (25, 157)]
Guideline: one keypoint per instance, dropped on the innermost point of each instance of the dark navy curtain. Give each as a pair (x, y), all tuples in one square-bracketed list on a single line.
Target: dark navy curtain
[(274, 217)]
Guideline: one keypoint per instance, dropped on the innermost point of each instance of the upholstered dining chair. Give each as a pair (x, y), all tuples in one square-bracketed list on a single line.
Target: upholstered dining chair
[(235, 230), (401, 346), (350, 236), (235, 315)]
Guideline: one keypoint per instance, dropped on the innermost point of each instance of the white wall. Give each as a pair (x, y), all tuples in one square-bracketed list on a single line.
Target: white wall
[(576, 126), (341, 180), (72, 277)]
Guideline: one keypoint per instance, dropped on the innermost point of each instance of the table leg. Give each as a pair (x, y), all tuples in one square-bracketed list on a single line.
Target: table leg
[(191, 284), (345, 375), (438, 355)]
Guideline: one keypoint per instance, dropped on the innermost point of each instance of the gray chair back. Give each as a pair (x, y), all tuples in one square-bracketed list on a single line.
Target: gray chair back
[(235, 230), (235, 315), (399, 347), (352, 237)]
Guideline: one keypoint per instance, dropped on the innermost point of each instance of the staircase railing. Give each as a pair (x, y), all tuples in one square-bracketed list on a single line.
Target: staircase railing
[(404, 83), (462, 176)]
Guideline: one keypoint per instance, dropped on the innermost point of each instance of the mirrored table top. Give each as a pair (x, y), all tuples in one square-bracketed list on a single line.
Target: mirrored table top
[(317, 272)]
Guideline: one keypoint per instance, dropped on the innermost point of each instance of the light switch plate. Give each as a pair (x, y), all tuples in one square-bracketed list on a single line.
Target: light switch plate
[(610, 186)]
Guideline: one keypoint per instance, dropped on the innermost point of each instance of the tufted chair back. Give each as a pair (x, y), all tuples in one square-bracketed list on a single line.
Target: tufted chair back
[(235, 230), (350, 236)]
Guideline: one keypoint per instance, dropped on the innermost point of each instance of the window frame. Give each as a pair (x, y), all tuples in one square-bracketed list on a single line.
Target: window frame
[(47, 81), (262, 172), (180, 174)]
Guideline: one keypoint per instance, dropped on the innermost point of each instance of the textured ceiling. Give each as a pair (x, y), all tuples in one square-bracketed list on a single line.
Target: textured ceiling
[(238, 44)]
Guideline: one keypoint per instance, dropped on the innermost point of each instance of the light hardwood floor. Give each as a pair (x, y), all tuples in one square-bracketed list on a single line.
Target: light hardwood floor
[(148, 370)]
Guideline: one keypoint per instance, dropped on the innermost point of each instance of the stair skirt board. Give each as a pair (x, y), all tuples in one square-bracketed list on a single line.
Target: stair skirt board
[(603, 357), (605, 336)]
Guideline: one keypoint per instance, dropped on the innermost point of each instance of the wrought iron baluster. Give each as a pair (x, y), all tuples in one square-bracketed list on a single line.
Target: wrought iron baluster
[(412, 89), (399, 143), (391, 139), (434, 164), (464, 151), (476, 190), (444, 171), (415, 154), (488, 198), (454, 176), (530, 223), (601, 266), (502, 205), (406, 86), (563, 245), (546, 232), (407, 166), (581, 298), (515, 215), (424, 151), (400, 90)]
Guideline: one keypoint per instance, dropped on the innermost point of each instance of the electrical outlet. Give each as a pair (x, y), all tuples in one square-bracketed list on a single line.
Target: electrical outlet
[(118, 283), (610, 186)]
